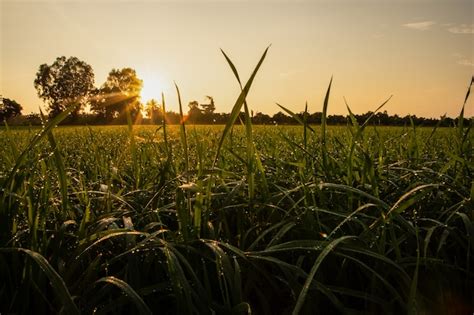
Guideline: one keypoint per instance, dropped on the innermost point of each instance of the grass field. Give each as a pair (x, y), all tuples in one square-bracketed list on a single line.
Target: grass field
[(108, 219), (305, 219)]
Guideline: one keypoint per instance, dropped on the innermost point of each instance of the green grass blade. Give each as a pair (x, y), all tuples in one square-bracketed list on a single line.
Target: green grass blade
[(184, 140), (55, 279), (324, 149), (302, 296), (296, 117), (128, 290), (237, 106), (63, 185)]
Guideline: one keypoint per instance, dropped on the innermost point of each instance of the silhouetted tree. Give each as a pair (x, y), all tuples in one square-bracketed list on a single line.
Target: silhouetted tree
[(154, 111), (281, 118), (208, 109), (9, 108), (65, 82), (119, 93), (194, 113), (261, 119)]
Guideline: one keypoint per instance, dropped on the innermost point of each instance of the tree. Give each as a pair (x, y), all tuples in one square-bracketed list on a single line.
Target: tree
[(9, 108), (154, 111), (194, 113), (261, 119), (119, 93), (65, 82), (208, 109)]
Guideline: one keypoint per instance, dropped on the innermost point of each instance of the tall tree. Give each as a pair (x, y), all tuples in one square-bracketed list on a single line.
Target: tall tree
[(208, 109), (66, 81), (154, 111), (194, 113), (119, 93), (9, 108)]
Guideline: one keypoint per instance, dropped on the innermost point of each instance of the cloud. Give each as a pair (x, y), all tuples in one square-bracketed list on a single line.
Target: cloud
[(420, 26), (466, 62), (462, 29)]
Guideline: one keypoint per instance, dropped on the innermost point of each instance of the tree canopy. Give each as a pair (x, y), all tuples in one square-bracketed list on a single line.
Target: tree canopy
[(120, 92), (66, 81), (9, 108)]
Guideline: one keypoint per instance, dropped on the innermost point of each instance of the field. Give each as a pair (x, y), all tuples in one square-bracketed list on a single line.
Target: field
[(289, 219), (237, 219)]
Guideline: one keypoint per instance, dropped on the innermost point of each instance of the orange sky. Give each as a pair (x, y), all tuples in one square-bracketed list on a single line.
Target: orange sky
[(420, 51)]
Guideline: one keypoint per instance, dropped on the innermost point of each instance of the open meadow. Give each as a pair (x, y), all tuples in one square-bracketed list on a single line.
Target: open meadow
[(266, 187), (250, 219)]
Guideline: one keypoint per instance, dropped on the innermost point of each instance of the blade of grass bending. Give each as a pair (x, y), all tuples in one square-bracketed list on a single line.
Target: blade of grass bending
[(107, 235), (128, 290), (304, 291), (404, 202), (238, 105), (374, 273), (380, 202), (234, 69), (181, 288), (253, 157), (54, 278), (374, 112), (295, 116)]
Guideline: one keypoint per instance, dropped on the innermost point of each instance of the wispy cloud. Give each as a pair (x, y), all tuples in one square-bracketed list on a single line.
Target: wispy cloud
[(420, 26), (466, 62), (463, 60), (462, 29)]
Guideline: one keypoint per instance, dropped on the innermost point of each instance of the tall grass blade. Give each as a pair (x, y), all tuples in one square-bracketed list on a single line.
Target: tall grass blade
[(128, 290), (302, 296), (55, 279), (237, 106), (184, 140)]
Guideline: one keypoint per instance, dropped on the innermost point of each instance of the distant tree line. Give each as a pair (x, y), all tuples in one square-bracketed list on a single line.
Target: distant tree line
[(70, 82)]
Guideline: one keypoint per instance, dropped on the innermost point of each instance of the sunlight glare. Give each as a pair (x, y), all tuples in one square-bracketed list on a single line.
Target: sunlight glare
[(152, 88)]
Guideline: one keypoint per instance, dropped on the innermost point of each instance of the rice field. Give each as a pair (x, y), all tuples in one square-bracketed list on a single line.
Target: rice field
[(237, 219)]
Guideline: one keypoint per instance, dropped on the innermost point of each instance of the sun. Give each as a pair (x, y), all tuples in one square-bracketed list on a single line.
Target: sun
[(152, 88)]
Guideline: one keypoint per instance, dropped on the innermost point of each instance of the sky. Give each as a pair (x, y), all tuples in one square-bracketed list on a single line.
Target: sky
[(419, 51)]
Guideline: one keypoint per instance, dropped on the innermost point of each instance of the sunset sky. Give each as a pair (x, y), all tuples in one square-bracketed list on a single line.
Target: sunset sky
[(421, 51)]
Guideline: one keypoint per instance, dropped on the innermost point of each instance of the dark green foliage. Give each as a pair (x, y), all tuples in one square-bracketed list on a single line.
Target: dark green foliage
[(67, 80), (9, 108)]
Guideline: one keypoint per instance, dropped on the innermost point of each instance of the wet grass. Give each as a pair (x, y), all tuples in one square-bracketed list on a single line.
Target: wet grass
[(237, 219)]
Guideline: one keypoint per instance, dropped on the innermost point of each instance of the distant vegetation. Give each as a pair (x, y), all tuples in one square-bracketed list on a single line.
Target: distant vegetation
[(9, 109), (70, 80), (356, 219), (197, 115)]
